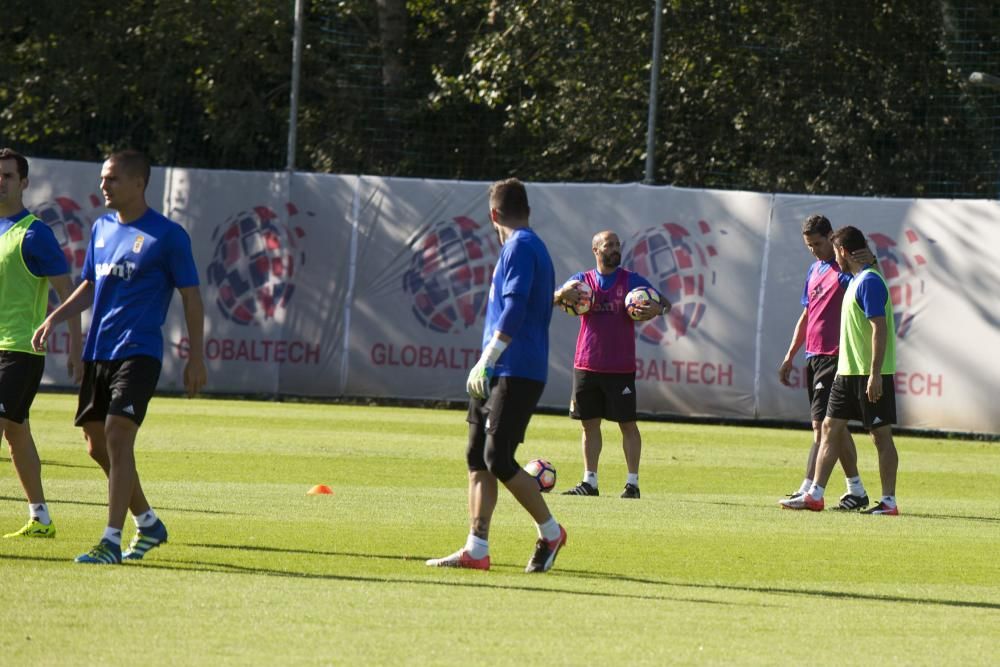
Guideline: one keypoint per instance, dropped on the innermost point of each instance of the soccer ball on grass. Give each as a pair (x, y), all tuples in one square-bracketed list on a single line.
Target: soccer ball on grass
[(543, 472)]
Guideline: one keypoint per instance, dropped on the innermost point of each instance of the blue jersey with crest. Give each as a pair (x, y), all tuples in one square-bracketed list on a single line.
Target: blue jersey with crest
[(135, 269)]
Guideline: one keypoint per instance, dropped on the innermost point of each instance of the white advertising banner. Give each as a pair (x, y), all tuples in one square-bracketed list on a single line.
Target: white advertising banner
[(944, 283), (325, 286)]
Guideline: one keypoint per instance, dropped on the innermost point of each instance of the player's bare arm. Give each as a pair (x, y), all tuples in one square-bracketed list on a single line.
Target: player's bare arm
[(798, 338), (879, 336), (195, 373), (77, 302), (63, 285)]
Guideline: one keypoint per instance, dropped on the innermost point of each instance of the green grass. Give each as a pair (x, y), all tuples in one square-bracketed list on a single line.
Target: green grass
[(705, 569)]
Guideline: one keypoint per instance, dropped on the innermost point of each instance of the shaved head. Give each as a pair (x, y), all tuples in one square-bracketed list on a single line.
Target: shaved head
[(607, 250)]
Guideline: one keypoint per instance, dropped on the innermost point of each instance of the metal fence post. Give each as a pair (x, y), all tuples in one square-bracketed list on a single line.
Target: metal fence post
[(654, 81), (293, 111)]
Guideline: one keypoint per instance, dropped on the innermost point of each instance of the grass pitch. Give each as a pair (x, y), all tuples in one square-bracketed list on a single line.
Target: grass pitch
[(705, 569)]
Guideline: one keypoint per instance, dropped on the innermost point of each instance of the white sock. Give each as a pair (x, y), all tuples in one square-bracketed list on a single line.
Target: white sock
[(549, 530), (590, 478), (633, 479), (40, 513), (855, 487), (816, 491), (146, 519), (806, 485), (113, 535), (477, 547), (889, 501)]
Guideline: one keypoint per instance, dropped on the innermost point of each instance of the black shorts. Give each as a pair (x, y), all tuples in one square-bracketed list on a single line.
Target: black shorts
[(609, 396), (504, 416), (849, 400), (821, 369), (122, 387), (20, 375)]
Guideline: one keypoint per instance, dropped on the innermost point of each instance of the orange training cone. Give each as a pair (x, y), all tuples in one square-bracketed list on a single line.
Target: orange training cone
[(320, 490)]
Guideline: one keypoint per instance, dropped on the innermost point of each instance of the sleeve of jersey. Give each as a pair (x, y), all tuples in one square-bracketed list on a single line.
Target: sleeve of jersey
[(87, 272), (41, 252), (517, 280), (515, 308), (805, 288), (635, 280), (872, 295), (183, 270)]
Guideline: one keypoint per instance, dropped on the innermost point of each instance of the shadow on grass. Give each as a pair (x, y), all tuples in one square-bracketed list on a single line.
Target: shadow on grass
[(843, 595), (58, 464), (229, 568), (91, 503), (945, 517)]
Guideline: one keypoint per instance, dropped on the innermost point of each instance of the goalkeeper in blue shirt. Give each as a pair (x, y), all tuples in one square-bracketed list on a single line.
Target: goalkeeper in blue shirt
[(506, 383)]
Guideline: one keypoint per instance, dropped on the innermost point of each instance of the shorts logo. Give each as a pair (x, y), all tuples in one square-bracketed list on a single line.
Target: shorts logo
[(450, 274), (902, 264), (257, 255), (677, 262), (129, 410), (626, 391), (819, 385)]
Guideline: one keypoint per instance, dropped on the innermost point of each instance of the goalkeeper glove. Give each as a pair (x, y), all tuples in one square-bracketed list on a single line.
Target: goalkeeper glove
[(478, 382)]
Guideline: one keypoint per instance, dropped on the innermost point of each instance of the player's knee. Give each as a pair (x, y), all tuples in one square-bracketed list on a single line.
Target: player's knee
[(500, 463)]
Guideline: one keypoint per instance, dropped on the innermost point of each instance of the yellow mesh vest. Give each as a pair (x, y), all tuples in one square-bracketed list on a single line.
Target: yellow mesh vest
[(24, 297)]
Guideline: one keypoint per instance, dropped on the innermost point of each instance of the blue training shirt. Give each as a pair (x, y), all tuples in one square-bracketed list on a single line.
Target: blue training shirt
[(39, 248), (524, 273), (135, 269), (871, 295)]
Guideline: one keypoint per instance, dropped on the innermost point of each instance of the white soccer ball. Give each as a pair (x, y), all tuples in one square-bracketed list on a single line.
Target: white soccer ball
[(640, 296), (586, 298), (543, 472)]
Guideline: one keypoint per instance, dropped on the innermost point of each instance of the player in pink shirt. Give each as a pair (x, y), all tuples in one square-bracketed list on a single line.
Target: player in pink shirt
[(604, 364), (818, 328)]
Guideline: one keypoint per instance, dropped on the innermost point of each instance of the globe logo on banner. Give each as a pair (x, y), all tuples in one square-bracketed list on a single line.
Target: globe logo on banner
[(900, 264), (677, 263), (450, 274), (254, 264), (71, 227)]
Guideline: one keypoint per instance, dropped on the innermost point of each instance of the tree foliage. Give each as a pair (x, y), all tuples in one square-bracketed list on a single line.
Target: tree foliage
[(798, 96)]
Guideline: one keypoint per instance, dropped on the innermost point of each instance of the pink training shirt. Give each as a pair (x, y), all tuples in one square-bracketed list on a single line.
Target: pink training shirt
[(822, 297), (606, 342)]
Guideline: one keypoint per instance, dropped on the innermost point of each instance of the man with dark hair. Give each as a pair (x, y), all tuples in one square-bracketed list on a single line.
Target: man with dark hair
[(864, 388), (30, 261), (506, 383), (604, 363), (135, 260), (818, 327)]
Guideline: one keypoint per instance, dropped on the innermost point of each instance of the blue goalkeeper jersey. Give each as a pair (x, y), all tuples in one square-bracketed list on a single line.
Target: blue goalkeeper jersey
[(135, 269), (523, 272)]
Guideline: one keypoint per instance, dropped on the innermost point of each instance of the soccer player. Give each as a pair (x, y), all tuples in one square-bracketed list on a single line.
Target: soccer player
[(864, 387), (506, 383), (30, 261), (604, 364), (819, 328), (135, 260)]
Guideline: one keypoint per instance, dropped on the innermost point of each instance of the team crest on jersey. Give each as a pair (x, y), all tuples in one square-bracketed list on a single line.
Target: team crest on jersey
[(137, 246), (99, 243)]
